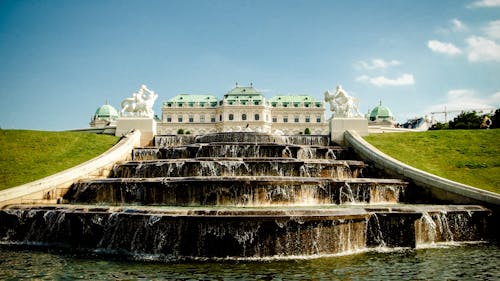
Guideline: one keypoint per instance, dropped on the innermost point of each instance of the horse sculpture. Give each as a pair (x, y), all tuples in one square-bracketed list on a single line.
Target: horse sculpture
[(140, 104), (342, 104)]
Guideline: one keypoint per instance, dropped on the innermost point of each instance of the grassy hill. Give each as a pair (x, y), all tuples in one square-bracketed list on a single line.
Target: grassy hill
[(26, 156), (467, 156)]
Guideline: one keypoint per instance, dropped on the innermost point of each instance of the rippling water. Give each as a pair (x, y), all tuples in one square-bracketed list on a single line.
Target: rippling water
[(464, 262)]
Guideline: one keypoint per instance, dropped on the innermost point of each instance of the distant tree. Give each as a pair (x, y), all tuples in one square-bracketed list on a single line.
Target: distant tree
[(188, 132), (466, 120), (180, 131), (307, 131), (495, 119), (439, 126)]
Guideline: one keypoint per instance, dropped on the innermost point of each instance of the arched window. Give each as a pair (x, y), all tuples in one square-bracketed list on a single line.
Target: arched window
[(231, 117), (243, 117), (257, 117)]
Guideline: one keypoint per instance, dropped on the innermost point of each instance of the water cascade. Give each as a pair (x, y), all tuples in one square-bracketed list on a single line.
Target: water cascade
[(239, 196)]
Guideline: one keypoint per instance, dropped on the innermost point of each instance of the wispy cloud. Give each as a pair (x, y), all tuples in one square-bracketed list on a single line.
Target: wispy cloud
[(457, 25), (443, 48), (378, 63), (481, 49), (485, 4), (380, 81), (493, 29), (464, 100)]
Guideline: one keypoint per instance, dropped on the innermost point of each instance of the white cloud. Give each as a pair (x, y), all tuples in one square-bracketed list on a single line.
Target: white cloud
[(378, 64), (465, 100), (457, 25), (482, 49), (493, 29), (380, 81), (444, 48), (485, 3)]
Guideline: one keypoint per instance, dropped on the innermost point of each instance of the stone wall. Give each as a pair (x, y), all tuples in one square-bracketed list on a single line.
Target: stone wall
[(427, 184), (51, 188)]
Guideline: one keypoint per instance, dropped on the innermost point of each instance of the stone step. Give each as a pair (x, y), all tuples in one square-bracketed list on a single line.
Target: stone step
[(237, 191), (172, 234), (253, 137), (242, 150), (239, 167)]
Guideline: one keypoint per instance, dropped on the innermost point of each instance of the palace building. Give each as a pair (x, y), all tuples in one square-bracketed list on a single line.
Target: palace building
[(243, 109)]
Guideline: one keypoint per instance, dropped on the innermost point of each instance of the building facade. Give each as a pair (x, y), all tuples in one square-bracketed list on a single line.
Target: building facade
[(243, 109)]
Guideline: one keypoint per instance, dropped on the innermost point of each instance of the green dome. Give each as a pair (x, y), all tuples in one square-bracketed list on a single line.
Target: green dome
[(381, 112), (106, 111)]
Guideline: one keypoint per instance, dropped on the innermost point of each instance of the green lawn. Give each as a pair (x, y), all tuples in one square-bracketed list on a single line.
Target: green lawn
[(26, 156), (467, 156)]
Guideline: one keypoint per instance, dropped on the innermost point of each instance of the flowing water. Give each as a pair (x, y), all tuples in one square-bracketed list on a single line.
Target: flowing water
[(439, 262)]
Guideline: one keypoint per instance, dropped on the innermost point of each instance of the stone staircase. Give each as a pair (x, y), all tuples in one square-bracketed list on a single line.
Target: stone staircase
[(240, 195)]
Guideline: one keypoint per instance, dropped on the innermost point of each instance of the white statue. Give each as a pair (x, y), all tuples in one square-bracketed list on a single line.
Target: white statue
[(140, 104), (341, 104)]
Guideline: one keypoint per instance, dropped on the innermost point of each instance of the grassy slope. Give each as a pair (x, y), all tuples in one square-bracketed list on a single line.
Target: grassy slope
[(26, 156), (467, 156)]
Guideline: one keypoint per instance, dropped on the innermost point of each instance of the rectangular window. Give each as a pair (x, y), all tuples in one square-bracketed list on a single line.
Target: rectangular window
[(169, 119), (318, 119), (179, 119), (308, 119), (212, 118), (191, 118), (275, 120), (257, 117), (296, 119), (285, 119)]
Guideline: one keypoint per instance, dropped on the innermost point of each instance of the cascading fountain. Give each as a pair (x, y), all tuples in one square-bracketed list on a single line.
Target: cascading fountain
[(239, 196)]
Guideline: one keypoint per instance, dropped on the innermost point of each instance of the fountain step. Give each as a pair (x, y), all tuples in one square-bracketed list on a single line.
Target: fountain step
[(189, 233), (176, 140), (255, 137), (243, 150), (239, 167), (237, 191)]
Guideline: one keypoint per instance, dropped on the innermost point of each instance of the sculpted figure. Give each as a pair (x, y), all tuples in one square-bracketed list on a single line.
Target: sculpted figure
[(140, 104), (342, 104)]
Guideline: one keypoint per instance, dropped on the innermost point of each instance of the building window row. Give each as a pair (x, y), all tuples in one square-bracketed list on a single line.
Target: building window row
[(191, 118), (296, 119), (202, 118)]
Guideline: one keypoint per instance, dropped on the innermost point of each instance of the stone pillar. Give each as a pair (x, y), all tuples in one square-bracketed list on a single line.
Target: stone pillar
[(341, 124), (146, 125)]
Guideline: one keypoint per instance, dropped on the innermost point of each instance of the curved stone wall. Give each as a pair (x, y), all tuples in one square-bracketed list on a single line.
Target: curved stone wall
[(51, 188), (431, 185)]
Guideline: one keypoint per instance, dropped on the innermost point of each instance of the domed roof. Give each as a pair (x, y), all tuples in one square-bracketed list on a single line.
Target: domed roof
[(106, 111), (380, 112)]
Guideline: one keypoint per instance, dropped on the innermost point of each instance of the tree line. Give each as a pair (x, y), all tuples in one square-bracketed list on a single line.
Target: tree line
[(471, 120)]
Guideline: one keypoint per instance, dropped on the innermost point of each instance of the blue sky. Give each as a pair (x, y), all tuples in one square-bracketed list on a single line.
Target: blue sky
[(60, 60)]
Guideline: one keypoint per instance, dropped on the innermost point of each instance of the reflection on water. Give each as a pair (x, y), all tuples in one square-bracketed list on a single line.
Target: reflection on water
[(465, 262)]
